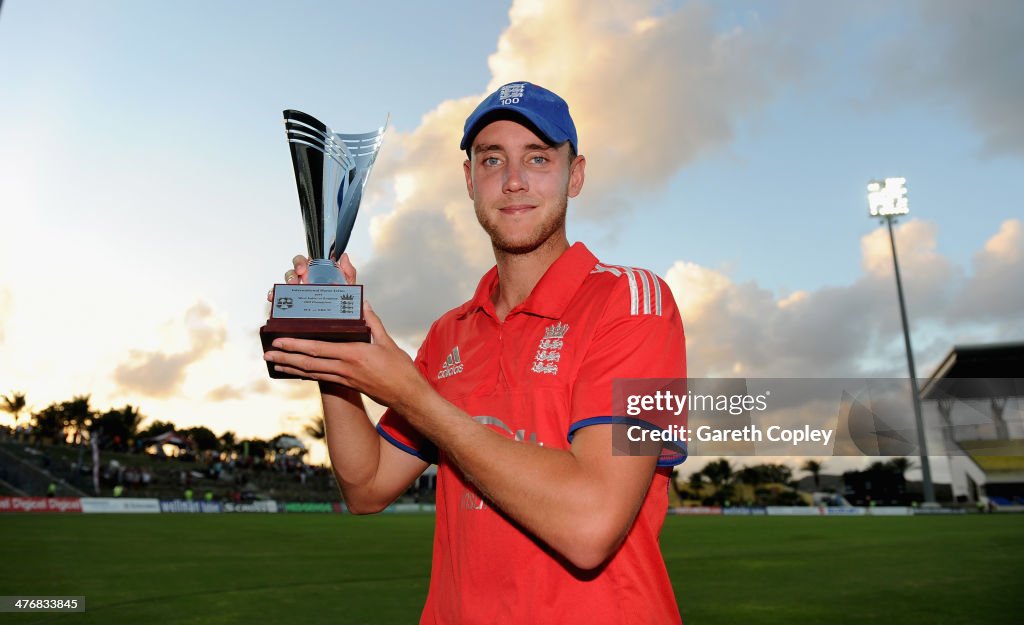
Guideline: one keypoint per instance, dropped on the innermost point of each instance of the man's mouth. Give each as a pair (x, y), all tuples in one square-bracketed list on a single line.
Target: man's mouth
[(516, 209)]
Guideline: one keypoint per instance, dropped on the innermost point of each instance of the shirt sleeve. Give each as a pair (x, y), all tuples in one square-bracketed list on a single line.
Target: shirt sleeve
[(631, 342), (397, 431)]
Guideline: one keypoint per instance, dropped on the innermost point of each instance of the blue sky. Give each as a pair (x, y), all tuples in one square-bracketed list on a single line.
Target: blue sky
[(145, 176)]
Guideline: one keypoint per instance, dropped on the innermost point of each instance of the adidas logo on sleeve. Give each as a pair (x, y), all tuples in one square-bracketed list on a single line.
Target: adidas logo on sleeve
[(452, 365)]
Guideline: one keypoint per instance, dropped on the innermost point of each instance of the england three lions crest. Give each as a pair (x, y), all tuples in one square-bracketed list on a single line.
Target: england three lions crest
[(549, 349)]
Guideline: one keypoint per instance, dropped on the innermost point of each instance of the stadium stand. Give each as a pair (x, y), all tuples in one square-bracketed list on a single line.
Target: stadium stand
[(986, 452), (28, 469)]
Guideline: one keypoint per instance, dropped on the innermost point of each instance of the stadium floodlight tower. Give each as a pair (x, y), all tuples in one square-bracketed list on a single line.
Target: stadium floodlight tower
[(887, 200)]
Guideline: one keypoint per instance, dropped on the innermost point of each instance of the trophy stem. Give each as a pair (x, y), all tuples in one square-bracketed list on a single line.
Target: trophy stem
[(324, 271)]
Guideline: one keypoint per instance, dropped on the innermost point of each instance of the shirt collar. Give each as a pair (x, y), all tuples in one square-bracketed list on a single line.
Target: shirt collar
[(550, 296)]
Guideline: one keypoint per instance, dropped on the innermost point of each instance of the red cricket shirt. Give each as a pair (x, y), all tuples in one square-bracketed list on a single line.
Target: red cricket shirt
[(538, 377)]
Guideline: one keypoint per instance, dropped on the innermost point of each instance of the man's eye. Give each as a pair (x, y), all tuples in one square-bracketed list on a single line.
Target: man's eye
[(491, 161), (538, 160)]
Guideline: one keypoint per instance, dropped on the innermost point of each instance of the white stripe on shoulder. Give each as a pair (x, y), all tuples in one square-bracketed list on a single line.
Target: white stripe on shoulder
[(656, 288), (599, 268), (657, 293), (643, 284), (618, 271), (634, 294), (647, 290)]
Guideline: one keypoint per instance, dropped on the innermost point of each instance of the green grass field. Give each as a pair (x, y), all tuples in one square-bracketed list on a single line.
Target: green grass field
[(340, 569)]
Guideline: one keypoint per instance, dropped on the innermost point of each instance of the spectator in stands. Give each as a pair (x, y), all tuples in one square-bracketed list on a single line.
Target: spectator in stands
[(131, 477), (51, 489)]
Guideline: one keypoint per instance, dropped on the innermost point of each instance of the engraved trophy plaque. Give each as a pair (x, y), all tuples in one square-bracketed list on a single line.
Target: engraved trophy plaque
[(330, 173)]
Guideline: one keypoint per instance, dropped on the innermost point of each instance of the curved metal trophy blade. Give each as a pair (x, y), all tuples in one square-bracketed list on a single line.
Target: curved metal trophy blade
[(330, 173), (363, 149)]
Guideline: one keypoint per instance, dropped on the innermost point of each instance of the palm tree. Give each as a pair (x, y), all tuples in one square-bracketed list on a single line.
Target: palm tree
[(721, 475), (750, 475), (227, 444), (696, 482), (58, 419), (49, 423), (901, 465), (719, 472), (118, 424), (814, 468), (14, 404), (315, 429), (131, 419), (78, 415)]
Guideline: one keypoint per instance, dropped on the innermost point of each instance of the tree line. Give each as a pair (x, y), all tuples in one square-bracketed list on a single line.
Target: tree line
[(719, 481), (75, 422)]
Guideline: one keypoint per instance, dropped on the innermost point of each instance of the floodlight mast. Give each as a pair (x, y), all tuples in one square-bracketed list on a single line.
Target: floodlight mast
[(887, 199)]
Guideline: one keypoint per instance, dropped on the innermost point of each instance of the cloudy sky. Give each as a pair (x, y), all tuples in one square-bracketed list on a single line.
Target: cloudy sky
[(147, 200)]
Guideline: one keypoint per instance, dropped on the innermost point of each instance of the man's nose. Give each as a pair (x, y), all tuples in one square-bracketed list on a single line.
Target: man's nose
[(515, 179)]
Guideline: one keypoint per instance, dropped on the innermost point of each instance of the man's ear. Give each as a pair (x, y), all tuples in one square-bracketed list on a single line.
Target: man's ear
[(467, 168), (577, 170)]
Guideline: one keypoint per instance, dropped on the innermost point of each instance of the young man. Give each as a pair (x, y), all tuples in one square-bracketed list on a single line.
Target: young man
[(511, 394)]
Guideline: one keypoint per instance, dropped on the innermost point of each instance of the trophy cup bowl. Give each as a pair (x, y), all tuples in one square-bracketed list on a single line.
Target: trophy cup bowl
[(330, 173)]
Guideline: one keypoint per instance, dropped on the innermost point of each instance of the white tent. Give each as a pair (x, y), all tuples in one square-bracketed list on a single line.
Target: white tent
[(168, 443), (167, 438), (288, 443)]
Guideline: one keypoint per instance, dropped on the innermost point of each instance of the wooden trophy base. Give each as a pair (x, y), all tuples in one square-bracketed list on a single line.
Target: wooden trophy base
[(331, 330)]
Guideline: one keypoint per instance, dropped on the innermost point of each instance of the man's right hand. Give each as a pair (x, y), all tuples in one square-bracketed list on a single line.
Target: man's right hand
[(300, 269), (371, 472)]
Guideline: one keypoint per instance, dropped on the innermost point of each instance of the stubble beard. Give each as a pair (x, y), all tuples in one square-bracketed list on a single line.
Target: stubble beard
[(543, 233)]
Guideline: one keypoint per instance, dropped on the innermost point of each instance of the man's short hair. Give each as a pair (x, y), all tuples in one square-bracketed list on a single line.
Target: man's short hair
[(522, 121)]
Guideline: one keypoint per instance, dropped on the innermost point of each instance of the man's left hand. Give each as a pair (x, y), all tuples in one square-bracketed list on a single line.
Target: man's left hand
[(380, 369)]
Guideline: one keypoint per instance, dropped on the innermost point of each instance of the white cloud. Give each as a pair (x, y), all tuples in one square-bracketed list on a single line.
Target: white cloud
[(225, 392), (159, 373), (688, 82), (967, 54), (670, 86), (743, 329), (231, 392), (993, 293), (260, 387), (934, 277)]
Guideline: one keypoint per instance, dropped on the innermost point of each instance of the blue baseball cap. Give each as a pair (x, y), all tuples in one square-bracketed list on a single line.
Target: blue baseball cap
[(543, 111)]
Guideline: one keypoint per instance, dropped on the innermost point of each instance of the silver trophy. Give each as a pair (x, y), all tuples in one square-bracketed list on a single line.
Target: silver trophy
[(330, 173)]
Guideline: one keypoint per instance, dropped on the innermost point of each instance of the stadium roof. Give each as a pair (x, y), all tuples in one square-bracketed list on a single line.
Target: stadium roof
[(978, 372)]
